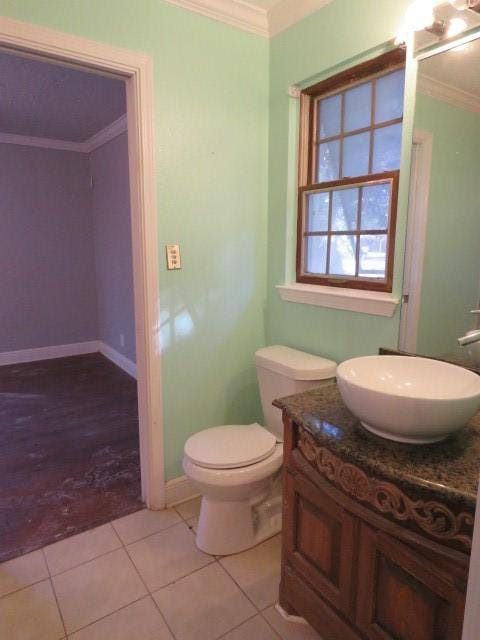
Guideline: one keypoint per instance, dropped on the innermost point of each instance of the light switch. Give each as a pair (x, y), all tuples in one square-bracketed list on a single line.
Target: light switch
[(173, 256)]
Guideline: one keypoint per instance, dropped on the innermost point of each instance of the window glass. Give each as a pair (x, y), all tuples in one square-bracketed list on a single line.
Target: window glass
[(344, 210), (317, 207), (317, 254), (328, 161), (375, 206), (386, 148), (343, 255), (389, 96), (358, 107), (330, 115), (356, 155), (373, 256)]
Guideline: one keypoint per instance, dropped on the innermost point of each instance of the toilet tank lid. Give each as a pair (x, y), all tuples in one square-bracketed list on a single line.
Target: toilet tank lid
[(296, 365)]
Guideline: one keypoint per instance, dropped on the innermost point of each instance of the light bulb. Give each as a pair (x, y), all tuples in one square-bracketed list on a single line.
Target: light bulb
[(461, 5), (419, 15), (456, 26)]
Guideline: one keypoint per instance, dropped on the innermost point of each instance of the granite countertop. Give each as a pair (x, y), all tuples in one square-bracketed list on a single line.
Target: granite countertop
[(446, 471)]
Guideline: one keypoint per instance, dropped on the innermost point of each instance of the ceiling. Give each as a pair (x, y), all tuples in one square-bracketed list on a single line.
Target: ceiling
[(453, 77), (45, 100), (264, 4), (458, 68)]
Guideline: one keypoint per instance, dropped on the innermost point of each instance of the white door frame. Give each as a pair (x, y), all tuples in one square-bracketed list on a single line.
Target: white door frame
[(137, 69), (416, 239)]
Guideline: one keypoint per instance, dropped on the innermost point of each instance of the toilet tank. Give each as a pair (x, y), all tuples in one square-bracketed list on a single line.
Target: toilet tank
[(282, 371)]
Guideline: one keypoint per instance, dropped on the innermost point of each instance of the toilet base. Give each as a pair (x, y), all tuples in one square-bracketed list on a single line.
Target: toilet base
[(226, 527)]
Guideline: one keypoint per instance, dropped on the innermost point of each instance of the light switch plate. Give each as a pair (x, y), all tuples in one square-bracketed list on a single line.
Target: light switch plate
[(174, 260)]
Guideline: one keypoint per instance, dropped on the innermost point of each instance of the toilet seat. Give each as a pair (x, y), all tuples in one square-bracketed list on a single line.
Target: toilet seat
[(230, 446)]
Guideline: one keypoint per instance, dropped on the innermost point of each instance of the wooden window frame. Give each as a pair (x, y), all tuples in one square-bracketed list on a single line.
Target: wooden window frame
[(307, 170)]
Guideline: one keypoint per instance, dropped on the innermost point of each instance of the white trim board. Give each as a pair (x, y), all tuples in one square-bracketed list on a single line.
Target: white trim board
[(179, 490), (370, 302), (110, 132), (118, 358), (48, 353), (446, 93), (252, 18), (64, 350)]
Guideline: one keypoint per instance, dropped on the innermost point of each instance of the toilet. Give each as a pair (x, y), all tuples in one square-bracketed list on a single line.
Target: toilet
[(236, 468)]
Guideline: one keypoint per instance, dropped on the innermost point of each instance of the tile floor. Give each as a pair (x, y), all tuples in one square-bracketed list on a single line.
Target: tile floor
[(142, 578)]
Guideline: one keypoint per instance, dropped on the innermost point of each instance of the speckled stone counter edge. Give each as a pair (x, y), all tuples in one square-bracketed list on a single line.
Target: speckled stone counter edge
[(447, 471)]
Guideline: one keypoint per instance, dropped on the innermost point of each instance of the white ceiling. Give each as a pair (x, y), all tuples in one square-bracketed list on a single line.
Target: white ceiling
[(458, 68)]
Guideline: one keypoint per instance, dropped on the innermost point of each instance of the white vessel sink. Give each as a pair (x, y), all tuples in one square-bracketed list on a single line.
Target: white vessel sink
[(409, 399)]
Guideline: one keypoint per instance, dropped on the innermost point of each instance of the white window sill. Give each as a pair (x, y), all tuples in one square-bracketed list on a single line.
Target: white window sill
[(371, 302)]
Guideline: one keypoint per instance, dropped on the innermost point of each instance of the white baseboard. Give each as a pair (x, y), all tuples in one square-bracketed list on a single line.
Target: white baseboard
[(179, 490), (48, 353), (119, 359)]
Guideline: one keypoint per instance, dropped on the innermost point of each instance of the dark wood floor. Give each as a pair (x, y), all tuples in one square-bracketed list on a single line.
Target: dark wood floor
[(69, 456)]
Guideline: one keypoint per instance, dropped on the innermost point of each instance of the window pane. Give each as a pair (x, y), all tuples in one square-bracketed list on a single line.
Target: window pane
[(373, 256), (317, 211), (375, 207), (387, 143), (358, 107), (389, 96), (316, 254), (356, 154), (342, 255), (329, 114), (328, 161), (344, 210)]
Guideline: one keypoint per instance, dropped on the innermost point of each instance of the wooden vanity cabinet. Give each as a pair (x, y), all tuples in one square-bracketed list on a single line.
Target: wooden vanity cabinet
[(351, 572)]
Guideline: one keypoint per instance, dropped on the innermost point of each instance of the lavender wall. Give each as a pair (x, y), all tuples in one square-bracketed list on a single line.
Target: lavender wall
[(47, 273), (113, 249)]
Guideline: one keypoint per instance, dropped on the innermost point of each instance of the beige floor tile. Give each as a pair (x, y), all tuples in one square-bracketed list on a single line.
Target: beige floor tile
[(81, 548), (139, 621), (22, 572), (289, 630), (254, 629), (31, 614), (97, 588), (204, 605), (257, 571), (193, 523), (190, 508), (143, 523), (167, 556)]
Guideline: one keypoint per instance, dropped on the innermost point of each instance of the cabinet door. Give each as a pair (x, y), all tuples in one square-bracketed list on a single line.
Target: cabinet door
[(402, 596), (319, 541)]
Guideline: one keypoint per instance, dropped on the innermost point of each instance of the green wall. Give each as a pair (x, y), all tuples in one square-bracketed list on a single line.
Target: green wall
[(451, 277), (211, 102), (339, 35)]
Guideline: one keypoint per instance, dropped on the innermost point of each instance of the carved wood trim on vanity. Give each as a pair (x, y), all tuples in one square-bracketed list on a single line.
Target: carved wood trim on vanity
[(432, 517)]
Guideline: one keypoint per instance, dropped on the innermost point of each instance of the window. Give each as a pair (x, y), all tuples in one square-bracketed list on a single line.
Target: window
[(350, 142)]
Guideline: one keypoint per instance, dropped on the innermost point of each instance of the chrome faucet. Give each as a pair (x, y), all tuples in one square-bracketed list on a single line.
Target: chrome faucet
[(471, 336)]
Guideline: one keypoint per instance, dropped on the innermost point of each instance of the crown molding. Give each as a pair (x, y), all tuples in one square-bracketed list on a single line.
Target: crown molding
[(233, 12), (248, 17), (446, 93), (287, 12), (43, 143), (110, 132)]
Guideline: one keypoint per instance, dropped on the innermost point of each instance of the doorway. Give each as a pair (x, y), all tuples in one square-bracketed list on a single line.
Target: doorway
[(136, 71)]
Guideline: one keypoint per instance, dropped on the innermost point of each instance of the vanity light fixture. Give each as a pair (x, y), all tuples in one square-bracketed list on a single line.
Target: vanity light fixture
[(461, 5), (456, 26), (418, 16)]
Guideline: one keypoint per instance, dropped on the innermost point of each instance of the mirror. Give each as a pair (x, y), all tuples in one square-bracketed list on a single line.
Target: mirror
[(442, 274)]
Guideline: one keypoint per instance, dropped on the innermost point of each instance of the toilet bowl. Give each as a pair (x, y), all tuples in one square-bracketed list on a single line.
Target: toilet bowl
[(237, 468)]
